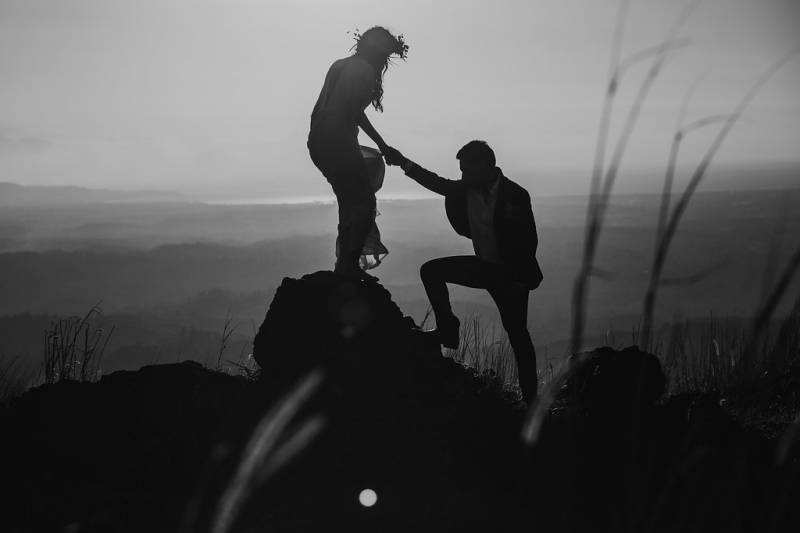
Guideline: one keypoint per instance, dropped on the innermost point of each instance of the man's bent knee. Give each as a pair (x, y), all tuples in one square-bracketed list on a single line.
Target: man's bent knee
[(429, 270), (425, 271)]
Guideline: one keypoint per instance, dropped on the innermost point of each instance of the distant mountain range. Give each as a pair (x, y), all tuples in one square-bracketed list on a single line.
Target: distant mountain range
[(15, 195)]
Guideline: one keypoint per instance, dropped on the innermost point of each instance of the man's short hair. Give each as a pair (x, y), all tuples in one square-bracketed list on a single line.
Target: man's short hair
[(478, 153)]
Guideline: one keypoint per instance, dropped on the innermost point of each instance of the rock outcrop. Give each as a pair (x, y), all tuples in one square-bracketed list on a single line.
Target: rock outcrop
[(135, 450), (153, 450), (403, 420), (614, 380), (323, 321)]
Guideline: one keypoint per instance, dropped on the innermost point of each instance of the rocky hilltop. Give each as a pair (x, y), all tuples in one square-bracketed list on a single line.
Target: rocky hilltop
[(159, 449)]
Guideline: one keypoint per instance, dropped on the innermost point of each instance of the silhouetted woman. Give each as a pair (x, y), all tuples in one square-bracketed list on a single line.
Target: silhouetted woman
[(350, 86)]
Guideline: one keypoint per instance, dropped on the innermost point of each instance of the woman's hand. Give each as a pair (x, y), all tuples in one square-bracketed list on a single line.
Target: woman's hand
[(392, 156)]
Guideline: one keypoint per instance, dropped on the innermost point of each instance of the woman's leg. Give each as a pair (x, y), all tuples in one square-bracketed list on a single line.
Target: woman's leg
[(342, 231), (338, 171), (361, 221), (356, 214)]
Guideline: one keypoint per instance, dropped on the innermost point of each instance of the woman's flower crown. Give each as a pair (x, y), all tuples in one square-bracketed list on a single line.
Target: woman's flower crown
[(400, 50)]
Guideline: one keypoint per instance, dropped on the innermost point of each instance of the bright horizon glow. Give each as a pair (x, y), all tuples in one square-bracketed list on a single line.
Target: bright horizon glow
[(211, 98)]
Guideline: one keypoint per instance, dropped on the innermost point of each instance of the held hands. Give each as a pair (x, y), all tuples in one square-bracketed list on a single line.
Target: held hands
[(393, 156)]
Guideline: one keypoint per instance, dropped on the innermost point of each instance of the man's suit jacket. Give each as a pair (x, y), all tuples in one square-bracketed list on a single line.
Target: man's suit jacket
[(515, 228)]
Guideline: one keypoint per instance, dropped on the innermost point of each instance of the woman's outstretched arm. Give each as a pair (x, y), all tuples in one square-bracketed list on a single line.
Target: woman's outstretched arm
[(367, 127), (388, 152)]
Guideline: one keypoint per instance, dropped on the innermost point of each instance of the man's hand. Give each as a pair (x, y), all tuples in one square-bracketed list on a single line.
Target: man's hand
[(393, 156)]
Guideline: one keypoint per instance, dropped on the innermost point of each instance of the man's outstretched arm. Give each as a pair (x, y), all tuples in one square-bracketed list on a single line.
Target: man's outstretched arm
[(428, 179)]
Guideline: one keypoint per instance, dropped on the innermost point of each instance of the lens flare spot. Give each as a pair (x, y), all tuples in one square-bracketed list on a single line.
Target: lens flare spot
[(367, 498)]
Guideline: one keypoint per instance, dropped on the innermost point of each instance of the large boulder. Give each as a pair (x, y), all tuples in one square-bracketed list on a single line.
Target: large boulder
[(608, 379), (400, 418), (322, 320)]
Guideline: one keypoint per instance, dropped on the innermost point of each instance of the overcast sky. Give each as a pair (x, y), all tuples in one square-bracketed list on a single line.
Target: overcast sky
[(213, 97)]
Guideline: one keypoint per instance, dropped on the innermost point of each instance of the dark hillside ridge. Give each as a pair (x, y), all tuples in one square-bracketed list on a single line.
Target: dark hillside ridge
[(151, 450)]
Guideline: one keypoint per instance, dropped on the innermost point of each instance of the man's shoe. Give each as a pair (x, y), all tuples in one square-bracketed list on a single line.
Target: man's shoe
[(430, 338), (449, 337), (446, 336)]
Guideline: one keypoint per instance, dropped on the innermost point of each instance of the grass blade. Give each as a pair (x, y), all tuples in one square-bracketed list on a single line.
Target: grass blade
[(262, 443)]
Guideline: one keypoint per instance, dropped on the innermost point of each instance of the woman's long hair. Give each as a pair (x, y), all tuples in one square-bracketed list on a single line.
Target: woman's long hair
[(377, 45)]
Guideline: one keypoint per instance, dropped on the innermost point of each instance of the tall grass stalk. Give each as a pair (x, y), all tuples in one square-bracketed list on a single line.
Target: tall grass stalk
[(228, 329), (701, 359), (696, 356), (540, 407), (665, 234), (485, 350), (666, 192), (488, 352), (716, 356), (602, 182), (768, 308), (581, 282), (13, 379), (74, 348), (264, 452), (246, 365)]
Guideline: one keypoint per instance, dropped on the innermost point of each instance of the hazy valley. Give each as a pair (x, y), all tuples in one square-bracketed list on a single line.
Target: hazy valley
[(167, 275)]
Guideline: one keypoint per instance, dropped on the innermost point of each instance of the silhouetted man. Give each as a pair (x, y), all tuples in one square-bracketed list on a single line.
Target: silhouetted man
[(495, 213)]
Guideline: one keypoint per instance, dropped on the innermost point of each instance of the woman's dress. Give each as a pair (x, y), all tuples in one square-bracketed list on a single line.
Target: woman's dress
[(373, 251)]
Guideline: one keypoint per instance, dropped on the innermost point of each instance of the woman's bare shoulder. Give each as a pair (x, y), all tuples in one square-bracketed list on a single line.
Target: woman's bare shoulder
[(359, 65)]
